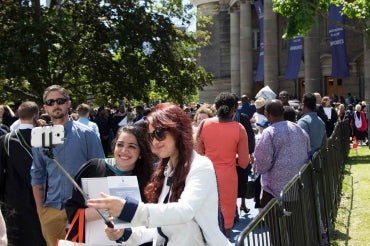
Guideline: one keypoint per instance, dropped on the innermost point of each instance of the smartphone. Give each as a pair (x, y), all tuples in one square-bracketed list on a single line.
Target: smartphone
[(47, 136)]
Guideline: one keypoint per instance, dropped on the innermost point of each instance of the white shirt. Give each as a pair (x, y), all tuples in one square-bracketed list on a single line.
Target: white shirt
[(89, 123)]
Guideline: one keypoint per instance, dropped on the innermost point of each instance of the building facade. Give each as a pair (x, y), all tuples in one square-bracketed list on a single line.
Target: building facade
[(233, 52)]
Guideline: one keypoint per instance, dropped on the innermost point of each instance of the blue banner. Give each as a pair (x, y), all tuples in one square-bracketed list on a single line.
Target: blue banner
[(337, 43), (259, 9), (294, 58)]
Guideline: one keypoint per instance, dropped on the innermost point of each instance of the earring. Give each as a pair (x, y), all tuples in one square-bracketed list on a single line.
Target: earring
[(139, 156)]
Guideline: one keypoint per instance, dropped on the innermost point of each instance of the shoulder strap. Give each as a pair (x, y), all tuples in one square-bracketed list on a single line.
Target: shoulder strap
[(238, 114), (80, 216), (23, 143), (19, 138), (22, 140), (201, 126), (197, 135)]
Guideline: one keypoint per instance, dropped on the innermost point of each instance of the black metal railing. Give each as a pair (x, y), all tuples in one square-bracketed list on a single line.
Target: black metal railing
[(308, 204)]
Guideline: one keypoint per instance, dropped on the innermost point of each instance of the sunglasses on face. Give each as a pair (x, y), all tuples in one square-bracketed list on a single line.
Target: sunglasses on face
[(159, 134), (59, 101)]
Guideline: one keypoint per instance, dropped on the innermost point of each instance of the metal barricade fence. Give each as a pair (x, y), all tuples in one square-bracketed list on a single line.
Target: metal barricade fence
[(308, 204), (258, 231)]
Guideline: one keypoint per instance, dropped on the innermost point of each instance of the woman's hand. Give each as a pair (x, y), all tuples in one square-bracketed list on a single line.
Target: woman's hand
[(113, 234), (113, 204)]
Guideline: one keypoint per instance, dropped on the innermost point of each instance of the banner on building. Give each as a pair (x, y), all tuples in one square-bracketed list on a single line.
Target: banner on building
[(260, 70), (294, 57), (337, 43)]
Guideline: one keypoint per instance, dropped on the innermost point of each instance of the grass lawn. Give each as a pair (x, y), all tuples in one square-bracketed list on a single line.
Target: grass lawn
[(352, 225)]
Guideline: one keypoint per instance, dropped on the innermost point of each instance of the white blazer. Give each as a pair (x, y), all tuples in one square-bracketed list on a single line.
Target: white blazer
[(181, 221)]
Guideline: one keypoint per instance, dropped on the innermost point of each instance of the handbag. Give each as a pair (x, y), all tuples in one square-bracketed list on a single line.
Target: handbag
[(76, 240), (198, 145), (250, 186)]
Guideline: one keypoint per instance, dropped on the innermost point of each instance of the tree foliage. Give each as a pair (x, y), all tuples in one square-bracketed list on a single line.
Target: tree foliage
[(301, 13), (108, 50)]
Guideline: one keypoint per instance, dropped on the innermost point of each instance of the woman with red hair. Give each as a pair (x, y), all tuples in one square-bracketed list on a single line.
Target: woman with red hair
[(182, 195)]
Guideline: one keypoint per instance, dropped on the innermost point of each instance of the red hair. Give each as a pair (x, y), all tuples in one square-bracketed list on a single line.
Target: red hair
[(178, 124)]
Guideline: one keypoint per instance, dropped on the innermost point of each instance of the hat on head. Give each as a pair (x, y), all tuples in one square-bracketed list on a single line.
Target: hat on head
[(260, 102)]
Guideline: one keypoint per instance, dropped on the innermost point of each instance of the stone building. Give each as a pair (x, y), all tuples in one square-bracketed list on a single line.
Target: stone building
[(232, 55)]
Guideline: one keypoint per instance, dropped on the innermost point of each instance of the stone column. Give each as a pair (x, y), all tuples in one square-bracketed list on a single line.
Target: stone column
[(235, 50), (246, 52), (312, 64), (215, 56), (271, 61)]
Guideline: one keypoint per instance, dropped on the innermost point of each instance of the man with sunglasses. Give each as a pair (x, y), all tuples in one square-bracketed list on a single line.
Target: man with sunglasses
[(51, 187), (284, 98)]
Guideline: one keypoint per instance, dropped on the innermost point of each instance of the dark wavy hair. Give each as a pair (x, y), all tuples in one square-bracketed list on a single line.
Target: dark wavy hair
[(178, 124), (225, 105), (144, 165)]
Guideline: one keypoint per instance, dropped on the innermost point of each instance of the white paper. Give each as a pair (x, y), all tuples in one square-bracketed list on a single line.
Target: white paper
[(327, 111), (123, 122), (121, 186)]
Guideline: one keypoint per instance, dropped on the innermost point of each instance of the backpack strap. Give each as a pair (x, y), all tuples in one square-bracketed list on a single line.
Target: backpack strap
[(22, 141)]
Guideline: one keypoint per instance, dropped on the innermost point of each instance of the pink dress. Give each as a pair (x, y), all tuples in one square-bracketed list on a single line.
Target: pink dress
[(222, 143)]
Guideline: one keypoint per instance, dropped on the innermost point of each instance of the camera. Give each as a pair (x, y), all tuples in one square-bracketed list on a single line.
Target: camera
[(47, 136)]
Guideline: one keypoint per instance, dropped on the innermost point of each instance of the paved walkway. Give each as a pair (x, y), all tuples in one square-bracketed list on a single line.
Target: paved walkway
[(244, 219)]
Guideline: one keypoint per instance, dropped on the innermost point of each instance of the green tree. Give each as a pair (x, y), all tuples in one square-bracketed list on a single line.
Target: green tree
[(108, 50), (301, 16)]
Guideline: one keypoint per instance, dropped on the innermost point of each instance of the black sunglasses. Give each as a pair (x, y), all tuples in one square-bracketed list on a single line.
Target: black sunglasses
[(59, 101), (158, 133)]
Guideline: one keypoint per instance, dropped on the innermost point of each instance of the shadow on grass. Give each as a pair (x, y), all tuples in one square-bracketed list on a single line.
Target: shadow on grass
[(358, 159), (339, 236), (346, 172)]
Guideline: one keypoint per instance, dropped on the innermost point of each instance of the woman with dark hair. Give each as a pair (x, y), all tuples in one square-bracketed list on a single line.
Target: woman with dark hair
[(132, 156), (225, 142), (103, 121), (182, 195)]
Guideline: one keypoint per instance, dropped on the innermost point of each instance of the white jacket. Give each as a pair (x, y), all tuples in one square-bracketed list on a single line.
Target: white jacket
[(181, 221)]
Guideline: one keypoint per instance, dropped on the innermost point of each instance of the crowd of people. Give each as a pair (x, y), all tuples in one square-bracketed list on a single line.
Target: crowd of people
[(192, 163)]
